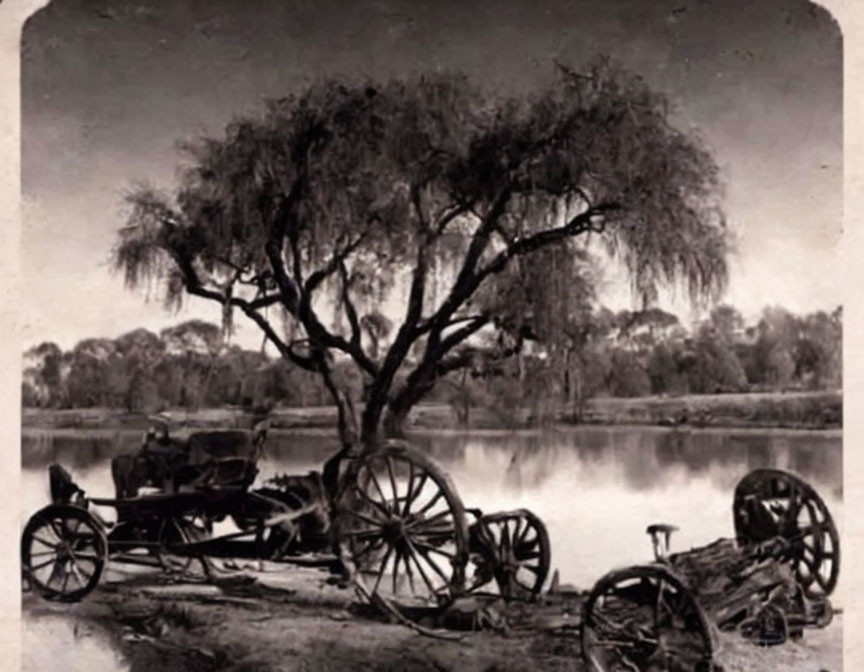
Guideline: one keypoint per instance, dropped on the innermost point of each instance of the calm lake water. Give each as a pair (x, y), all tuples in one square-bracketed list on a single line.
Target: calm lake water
[(596, 488)]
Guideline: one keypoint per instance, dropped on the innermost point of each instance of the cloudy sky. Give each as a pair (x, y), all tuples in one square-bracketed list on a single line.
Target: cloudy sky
[(109, 86)]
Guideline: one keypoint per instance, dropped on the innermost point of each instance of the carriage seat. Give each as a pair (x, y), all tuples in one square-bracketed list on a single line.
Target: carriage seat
[(222, 473)]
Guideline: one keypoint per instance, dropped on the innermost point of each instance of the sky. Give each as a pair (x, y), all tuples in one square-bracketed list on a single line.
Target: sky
[(110, 86)]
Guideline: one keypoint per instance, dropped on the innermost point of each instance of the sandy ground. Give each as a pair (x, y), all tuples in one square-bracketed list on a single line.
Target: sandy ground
[(293, 620)]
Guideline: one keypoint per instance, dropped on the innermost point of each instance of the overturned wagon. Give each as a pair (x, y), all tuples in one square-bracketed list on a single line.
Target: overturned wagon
[(390, 520), (769, 583)]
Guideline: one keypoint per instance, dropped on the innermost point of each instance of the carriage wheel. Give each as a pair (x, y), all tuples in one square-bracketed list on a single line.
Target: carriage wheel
[(770, 503), (181, 530), (63, 552), (402, 526), (643, 618), (514, 547)]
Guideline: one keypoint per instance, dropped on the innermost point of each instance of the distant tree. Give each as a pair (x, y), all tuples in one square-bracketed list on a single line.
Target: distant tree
[(819, 352), (96, 375), (714, 366), (627, 376), (43, 377), (193, 347), (664, 369), (779, 366), (141, 351), (727, 323), (322, 205)]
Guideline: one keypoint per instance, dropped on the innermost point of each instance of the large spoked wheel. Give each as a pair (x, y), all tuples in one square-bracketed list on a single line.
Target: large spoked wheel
[(402, 526), (63, 552), (770, 503), (178, 530), (643, 618), (513, 549)]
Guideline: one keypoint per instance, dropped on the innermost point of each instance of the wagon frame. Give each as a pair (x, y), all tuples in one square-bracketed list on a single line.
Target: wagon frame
[(394, 525)]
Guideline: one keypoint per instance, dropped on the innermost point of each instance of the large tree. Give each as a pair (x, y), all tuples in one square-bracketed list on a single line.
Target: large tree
[(336, 199)]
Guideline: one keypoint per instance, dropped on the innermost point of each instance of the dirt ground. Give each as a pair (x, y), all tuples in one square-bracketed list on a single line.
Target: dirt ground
[(294, 620)]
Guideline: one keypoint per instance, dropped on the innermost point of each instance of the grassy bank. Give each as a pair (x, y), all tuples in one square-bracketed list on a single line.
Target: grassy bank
[(792, 410)]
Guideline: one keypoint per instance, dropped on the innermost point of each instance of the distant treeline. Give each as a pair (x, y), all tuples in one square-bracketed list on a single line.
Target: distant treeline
[(624, 354)]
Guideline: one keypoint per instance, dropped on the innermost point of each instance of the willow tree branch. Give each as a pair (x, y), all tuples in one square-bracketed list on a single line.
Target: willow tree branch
[(350, 310), (338, 259), (578, 225)]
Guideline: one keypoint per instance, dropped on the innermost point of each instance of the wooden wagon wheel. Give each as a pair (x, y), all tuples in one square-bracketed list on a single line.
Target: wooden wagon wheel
[(182, 529), (513, 548), (63, 552), (770, 503), (401, 525), (644, 618)]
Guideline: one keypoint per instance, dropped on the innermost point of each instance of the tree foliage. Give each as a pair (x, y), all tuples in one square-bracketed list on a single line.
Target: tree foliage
[(139, 372), (339, 196)]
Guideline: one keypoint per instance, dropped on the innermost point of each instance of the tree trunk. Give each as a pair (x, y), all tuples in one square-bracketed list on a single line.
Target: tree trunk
[(394, 423), (399, 407)]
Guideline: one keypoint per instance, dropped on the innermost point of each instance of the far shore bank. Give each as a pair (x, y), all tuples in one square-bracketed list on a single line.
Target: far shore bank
[(754, 411)]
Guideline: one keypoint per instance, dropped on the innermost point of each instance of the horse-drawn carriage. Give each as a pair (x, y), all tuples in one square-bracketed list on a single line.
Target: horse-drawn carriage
[(390, 520)]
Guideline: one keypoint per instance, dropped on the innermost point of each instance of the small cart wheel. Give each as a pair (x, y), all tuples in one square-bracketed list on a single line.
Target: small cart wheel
[(770, 503), (177, 530), (514, 547), (402, 526), (63, 552), (644, 618)]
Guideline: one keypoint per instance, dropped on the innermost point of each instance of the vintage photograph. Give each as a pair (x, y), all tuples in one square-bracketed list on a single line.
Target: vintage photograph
[(407, 335)]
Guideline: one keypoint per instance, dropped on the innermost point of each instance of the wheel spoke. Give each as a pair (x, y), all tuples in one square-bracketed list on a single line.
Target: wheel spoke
[(413, 553), (422, 524), (78, 571), (378, 506), (433, 549), (362, 535), (87, 557), (44, 564), (381, 570), (77, 574), (527, 555), (517, 532), (384, 500), (378, 543), (364, 518), (409, 491), (396, 555), (57, 531), (434, 565), (392, 483), (49, 544), (39, 553), (408, 572), (428, 505), (821, 580), (414, 493)]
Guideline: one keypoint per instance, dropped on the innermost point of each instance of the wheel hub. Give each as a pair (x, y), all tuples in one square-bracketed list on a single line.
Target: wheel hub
[(394, 530)]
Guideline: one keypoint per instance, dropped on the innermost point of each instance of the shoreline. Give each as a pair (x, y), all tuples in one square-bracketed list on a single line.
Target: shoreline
[(552, 428), (295, 620), (752, 412)]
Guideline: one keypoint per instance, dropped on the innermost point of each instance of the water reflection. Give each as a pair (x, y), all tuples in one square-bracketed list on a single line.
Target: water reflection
[(48, 639), (596, 488)]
